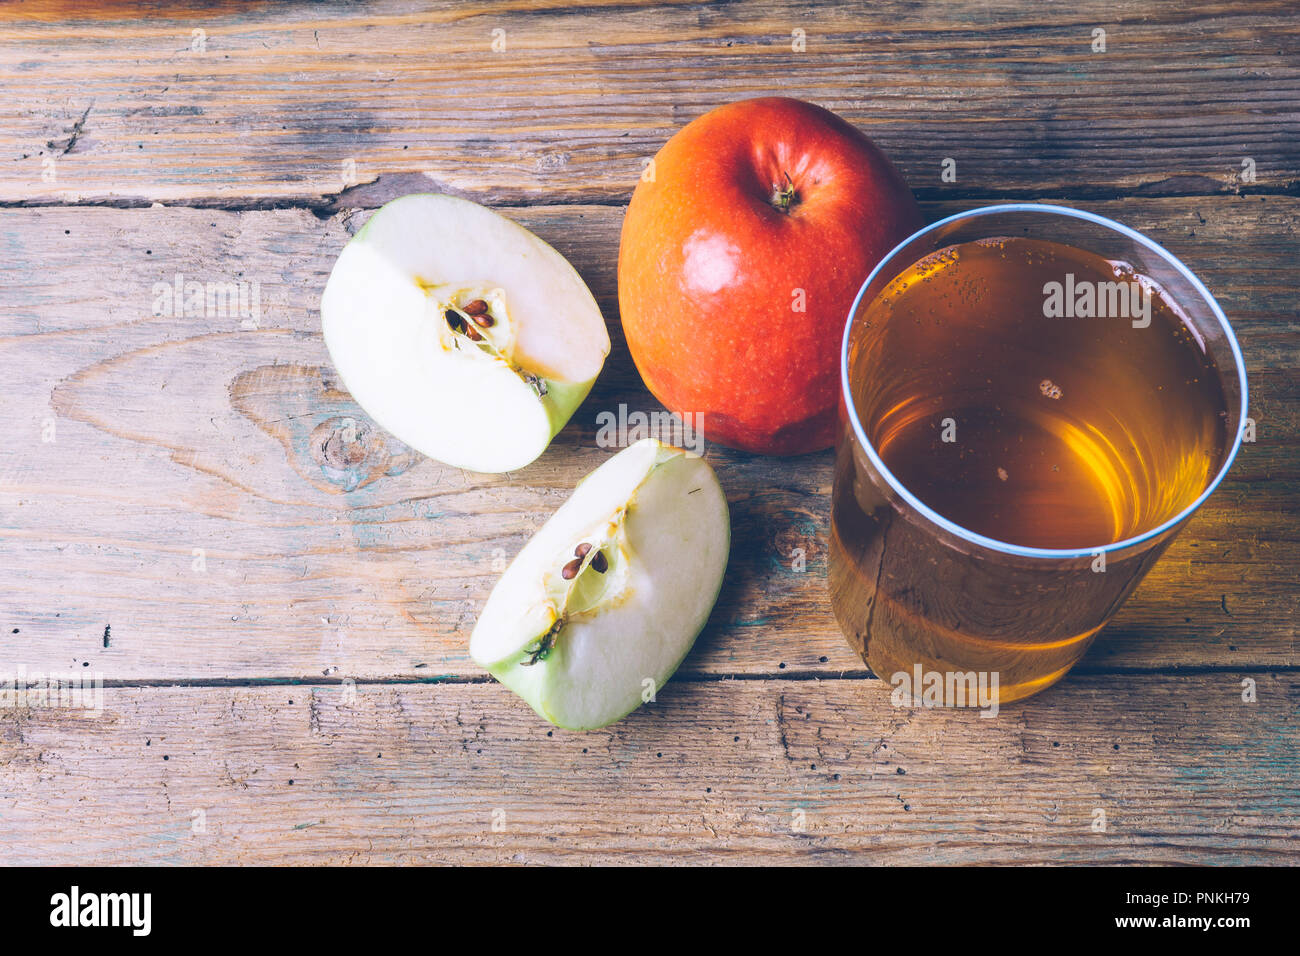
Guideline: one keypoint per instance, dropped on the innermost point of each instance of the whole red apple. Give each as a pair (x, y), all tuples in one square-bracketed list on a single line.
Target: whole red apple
[(743, 248)]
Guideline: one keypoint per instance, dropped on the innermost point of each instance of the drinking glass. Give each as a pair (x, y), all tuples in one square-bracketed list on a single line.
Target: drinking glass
[(915, 592)]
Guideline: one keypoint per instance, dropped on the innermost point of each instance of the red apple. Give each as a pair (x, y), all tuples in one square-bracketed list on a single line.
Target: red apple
[(743, 248)]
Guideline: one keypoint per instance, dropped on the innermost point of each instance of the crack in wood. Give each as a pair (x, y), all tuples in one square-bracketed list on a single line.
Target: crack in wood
[(373, 195), (73, 135)]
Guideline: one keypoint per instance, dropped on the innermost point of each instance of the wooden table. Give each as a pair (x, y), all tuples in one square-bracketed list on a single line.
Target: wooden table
[(282, 635)]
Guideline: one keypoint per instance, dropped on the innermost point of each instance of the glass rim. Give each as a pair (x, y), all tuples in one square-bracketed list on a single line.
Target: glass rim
[(1006, 547)]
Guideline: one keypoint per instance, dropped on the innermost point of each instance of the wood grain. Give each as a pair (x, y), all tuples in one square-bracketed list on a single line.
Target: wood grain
[(279, 594), (236, 104), (718, 772), (193, 517)]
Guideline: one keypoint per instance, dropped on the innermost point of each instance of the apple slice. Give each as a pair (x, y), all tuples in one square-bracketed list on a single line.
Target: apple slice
[(603, 603), (461, 333)]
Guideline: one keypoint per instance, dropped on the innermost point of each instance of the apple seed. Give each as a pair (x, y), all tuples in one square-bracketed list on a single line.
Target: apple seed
[(457, 316), (599, 563), (582, 549), (570, 570), (476, 308)]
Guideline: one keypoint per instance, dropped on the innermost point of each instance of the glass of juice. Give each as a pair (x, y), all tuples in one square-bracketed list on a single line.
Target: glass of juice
[(1035, 399)]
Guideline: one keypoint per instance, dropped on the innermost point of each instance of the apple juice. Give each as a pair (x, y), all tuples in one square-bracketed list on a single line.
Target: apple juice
[(1035, 394)]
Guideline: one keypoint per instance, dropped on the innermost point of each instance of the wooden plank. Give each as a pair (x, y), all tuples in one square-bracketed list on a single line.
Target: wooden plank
[(719, 771), (232, 103), (181, 523)]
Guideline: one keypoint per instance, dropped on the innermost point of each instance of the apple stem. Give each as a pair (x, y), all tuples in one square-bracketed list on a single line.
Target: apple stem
[(784, 198)]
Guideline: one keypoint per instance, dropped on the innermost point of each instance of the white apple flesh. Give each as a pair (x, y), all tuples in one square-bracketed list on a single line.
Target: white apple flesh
[(461, 332), (606, 599)]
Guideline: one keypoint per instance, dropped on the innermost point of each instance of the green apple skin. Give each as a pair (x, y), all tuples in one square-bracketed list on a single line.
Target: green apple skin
[(562, 400)]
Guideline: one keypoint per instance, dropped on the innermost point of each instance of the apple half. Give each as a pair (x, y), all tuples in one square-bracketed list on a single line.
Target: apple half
[(461, 332), (603, 603)]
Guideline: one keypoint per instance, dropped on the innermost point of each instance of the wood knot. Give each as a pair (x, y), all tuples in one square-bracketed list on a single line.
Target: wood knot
[(327, 438), (797, 536), (353, 452)]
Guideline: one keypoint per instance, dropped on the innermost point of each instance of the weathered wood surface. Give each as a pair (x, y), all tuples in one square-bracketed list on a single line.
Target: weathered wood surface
[(297, 101), (717, 772), (176, 434), (174, 508)]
